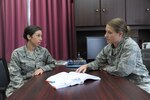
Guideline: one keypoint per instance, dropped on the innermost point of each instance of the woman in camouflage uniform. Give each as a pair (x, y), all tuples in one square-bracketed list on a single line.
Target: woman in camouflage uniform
[(121, 57), (29, 60)]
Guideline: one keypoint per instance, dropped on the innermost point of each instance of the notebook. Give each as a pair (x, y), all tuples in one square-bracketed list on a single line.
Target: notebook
[(66, 79)]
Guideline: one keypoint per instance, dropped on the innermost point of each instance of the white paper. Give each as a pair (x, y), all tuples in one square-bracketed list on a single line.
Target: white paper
[(65, 79), (61, 62)]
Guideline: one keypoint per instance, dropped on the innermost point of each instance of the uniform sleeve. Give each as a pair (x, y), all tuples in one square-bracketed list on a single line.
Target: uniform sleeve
[(49, 62), (100, 61), (127, 62), (16, 79)]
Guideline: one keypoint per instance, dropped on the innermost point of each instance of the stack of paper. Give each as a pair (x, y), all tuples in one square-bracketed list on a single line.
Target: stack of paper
[(61, 62), (64, 79)]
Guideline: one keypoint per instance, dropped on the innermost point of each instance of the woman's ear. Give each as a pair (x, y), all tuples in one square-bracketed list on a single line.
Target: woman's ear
[(29, 37), (120, 33)]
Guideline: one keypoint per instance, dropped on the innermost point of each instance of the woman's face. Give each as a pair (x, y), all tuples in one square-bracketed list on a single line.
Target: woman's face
[(112, 36), (36, 38)]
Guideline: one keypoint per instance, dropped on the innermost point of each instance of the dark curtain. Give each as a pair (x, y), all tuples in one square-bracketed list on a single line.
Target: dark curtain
[(56, 17), (2, 49), (12, 23)]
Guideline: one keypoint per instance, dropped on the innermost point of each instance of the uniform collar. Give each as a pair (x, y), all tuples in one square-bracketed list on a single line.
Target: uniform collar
[(36, 51), (120, 43)]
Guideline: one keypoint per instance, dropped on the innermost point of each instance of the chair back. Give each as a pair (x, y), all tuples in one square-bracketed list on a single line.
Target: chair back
[(4, 75), (146, 58)]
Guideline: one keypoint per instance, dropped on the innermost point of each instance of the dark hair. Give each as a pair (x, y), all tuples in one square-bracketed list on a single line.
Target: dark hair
[(119, 26), (30, 30)]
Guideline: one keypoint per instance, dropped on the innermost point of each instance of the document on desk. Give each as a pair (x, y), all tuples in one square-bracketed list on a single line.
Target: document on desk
[(61, 62), (66, 79)]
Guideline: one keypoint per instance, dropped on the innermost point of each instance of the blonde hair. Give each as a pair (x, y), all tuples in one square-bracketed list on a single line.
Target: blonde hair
[(119, 26)]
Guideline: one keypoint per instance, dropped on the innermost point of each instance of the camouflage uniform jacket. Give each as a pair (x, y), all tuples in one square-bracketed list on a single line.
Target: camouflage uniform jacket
[(125, 61), (23, 65)]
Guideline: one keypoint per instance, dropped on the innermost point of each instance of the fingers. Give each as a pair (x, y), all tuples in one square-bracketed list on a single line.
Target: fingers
[(78, 70), (38, 72), (82, 69)]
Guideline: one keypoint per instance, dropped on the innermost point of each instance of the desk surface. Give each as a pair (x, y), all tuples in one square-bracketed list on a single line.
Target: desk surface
[(108, 88)]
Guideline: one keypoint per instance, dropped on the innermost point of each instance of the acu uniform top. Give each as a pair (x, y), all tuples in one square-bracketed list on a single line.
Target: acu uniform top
[(23, 64), (125, 61)]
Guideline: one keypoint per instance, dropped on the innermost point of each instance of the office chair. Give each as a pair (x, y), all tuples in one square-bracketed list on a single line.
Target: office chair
[(146, 58), (4, 78)]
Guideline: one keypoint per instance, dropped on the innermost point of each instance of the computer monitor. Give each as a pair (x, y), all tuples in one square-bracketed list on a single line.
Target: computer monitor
[(94, 46)]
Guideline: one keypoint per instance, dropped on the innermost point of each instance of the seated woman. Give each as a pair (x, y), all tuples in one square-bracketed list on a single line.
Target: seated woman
[(121, 57), (29, 60)]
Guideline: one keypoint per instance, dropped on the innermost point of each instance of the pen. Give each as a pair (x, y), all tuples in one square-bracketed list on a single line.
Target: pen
[(52, 81)]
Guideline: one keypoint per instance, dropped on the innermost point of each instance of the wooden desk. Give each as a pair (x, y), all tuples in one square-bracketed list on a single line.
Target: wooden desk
[(109, 88)]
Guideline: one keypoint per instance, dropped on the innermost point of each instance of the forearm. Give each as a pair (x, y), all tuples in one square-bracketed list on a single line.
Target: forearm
[(49, 63), (124, 67), (116, 71), (16, 81), (97, 64), (48, 67)]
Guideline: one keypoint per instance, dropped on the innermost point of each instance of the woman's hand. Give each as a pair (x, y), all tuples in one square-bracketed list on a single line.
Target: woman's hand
[(82, 69), (38, 72)]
